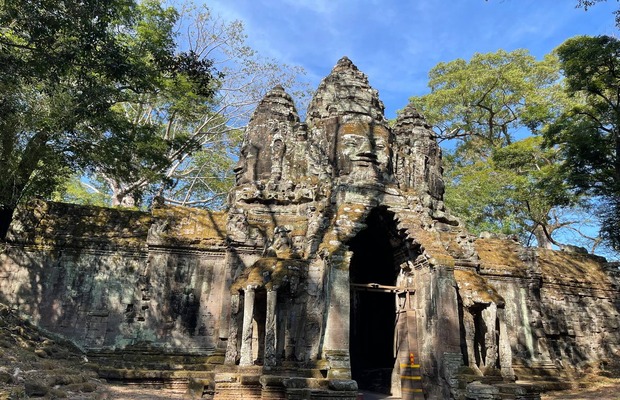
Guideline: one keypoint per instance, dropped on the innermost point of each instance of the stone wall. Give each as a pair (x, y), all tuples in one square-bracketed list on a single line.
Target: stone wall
[(562, 309), (110, 279)]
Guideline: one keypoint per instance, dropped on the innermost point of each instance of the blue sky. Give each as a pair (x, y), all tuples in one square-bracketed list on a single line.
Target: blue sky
[(396, 42)]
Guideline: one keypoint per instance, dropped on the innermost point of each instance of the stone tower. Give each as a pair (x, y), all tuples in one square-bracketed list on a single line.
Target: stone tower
[(336, 226)]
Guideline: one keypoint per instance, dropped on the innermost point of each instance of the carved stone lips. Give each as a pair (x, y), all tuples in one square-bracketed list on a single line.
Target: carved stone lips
[(365, 159)]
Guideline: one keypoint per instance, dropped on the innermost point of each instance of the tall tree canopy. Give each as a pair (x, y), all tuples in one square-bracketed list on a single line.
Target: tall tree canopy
[(585, 4), (198, 170), (66, 68), (487, 98), (201, 174), (495, 182), (588, 133)]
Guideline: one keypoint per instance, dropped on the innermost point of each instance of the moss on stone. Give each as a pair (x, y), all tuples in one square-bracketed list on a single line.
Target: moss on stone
[(432, 244), (573, 268), (63, 224), (191, 224), (475, 289), (297, 224), (270, 273), (501, 256), (347, 222)]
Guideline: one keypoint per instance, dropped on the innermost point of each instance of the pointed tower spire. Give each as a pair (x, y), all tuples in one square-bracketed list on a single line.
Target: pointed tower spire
[(345, 91), (272, 123), (416, 161)]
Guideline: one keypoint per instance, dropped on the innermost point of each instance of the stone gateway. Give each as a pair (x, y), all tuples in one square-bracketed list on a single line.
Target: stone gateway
[(335, 269)]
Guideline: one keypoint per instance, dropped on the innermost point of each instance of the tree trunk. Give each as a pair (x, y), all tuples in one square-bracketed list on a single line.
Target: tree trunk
[(6, 216), (541, 237), (616, 184), (120, 199), (120, 196)]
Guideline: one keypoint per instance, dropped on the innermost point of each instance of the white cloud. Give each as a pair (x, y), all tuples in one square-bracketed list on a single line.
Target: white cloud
[(397, 42)]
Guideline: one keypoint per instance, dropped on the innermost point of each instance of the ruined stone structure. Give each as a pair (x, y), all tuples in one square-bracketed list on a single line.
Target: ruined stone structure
[(336, 268)]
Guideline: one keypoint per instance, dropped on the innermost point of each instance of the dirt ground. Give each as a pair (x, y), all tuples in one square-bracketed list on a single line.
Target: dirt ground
[(118, 392), (599, 391), (607, 390)]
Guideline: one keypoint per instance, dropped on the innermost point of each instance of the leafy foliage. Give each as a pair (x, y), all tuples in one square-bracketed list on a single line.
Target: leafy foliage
[(484, 101), (197, 122), (494, 182), (76, 190), (65, 69), (519, 190), (588, 133)]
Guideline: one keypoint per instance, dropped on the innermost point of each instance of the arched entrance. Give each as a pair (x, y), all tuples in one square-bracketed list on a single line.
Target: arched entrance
[(378, 253)]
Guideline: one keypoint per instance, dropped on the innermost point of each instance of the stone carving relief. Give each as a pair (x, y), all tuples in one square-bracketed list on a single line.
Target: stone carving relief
[(417, 156), (324, 215), (363, 152)]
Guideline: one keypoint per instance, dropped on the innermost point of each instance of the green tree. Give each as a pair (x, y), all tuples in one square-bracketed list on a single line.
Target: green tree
[(542, 200), (484, 101), (585, 4), (494, 182), (74, 190), (206, 130), (519, 190), (65, 67), (588, 133)]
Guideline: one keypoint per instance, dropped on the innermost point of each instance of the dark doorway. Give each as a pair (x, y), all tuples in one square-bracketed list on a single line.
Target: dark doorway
[(374, 267)]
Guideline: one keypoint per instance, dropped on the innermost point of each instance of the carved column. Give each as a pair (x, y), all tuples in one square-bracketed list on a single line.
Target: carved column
[(505, 352), (227, 279), (489, 316), (233, 333), (246, 333), (270, 329), (470, 338), (336, 345)]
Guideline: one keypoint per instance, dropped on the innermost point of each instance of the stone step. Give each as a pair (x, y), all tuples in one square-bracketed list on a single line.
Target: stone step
[(501, 391), (135, 375)]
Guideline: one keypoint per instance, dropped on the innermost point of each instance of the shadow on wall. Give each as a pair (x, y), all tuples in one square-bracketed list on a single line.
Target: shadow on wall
[(114, 278), (580, 313), (22, 288)]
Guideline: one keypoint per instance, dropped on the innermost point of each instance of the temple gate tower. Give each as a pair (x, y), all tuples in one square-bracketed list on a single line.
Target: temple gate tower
[(337, 264)]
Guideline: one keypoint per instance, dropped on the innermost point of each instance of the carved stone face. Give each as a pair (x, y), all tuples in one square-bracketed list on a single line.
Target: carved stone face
[(262, 152), (245, 169), (362, 147)]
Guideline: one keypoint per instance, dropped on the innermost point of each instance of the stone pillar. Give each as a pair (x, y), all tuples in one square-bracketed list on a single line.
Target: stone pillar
[(226, 281), (336, 342), (401, 346), (470, 338), (233, 333), (505, 352), (446, 341), (271, 329), (246, 333), (411, 377), (489, 316)]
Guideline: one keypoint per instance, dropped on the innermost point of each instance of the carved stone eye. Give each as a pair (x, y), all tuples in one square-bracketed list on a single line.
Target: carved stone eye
[(350, 141)]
